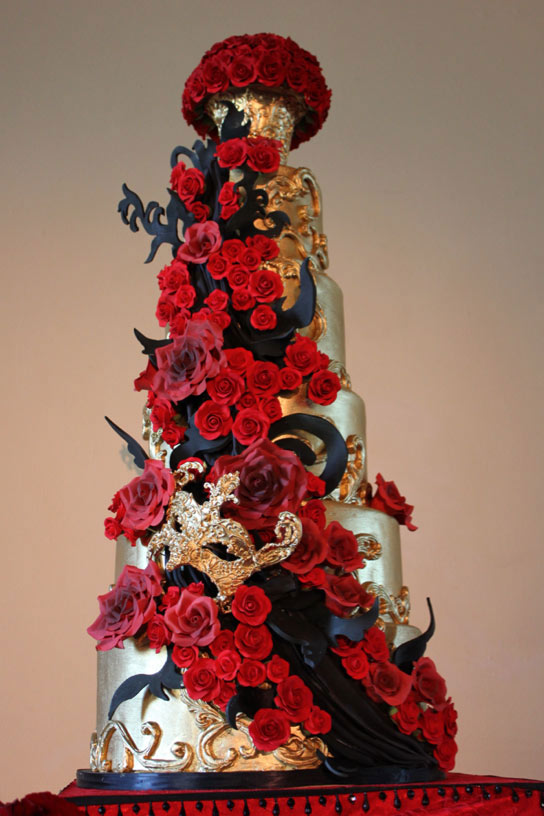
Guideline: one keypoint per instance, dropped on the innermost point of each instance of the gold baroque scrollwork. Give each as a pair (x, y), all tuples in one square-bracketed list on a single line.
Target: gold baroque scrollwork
[(396, 607), (345, 382), (355, 469), (301, 752), (190, 528), (318, 326), (369, 547), (100, 745)]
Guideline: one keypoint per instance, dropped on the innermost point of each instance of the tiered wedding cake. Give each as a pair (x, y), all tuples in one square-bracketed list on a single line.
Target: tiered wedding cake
[(259, 620)]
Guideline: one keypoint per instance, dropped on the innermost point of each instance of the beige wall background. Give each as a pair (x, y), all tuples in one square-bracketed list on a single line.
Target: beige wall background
[(432, 175)]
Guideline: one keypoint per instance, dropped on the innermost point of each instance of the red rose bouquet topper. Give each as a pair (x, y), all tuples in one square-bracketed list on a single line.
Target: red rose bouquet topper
[(298, 644)]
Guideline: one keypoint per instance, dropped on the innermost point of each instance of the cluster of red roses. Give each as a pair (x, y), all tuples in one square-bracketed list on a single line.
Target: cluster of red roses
[(265, 60)]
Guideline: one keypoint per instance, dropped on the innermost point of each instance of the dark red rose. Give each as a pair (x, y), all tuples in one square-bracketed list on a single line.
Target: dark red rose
[(170, 597), (271, 480), (224, 640), (251, 673), (239, 359), (232, 153), (226, 692), (251, 605), (221, 319), (267, 247), (242, 300), (445, 754), (217, 300), (265, 285), (389, 500), (166, 309), (277, 669), (172, 276), (213, 420), (188, 184), (318, 721), (263, 154), (112, 528), (158, 633), (297, 75), (323, 387), (249, 425), (250, 259), (193, 619), (375, 644), (185, 297), (142, 502), (201, 681), (428, 684), (227, 664), (40, 804), (185, 364), (389, 683), (228, 194), (343, 548), (303, 355), (178, 325), (214, 75), (270, 729), (432, 726), (242, 71), (310, 551), (127, 607), (200, 211), (253, 641), (173, 434), (450, 720), (184, 656), (263, 378), (271, 67), (161, 414), (407, 717), (315, 578), (345, 647), (232, 249), (201, 240), (295, 698), (238, 277), (290, 378), (218, 266), (356, 665), (344, 594), (247, 400), (316, 486), (226, 388), (272, 408)]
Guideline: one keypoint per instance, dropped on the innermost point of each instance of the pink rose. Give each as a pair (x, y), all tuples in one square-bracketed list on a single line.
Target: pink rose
[(127, 607), (193, 619), (201, 239)]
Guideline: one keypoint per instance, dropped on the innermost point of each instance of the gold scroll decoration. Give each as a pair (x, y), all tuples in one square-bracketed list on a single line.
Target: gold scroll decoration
[(396, 607), (100, 744), (369, 547), (191, 528)]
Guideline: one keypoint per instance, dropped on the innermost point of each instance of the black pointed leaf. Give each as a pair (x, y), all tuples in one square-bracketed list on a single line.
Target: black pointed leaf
[(167, 677), (407, 653), (134, 448), (232, 127)]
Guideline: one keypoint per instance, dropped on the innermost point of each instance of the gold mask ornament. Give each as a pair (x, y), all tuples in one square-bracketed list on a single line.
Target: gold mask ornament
[(191, 528)]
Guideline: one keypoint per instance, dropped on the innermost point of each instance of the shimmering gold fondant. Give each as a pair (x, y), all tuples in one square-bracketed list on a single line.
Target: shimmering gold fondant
[(190, 528)]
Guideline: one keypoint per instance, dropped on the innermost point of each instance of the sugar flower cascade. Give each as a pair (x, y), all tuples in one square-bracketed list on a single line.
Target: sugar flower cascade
[(258, 602)]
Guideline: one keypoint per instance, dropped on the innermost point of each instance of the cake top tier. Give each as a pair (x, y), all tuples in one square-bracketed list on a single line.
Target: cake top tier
[(272, 66)]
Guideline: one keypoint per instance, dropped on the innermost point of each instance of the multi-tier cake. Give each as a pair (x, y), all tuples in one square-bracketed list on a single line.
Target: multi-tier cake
[(259, 620)]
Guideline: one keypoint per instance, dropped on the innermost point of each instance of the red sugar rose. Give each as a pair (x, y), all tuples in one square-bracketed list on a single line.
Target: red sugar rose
[(432, 725), (310, 551), (250, 424), (295, 698), (184, 656), (227, 664), (253, 641), (142, 502), (201, 681), (428, 684), (389, 683), (263, 378), (213, 420), (239, 359), (242, 71), (251, 673), (267, 248), (232, 153), (224, 640), (407, 717), (238, 278), (158, 633), (318, 721), (290, 378), (277, 669), (217, 300), (445, 754), (389, 500), (251, 605), (188, 184), (345, 646), (242, 300), (263, 154), (303, 355), (226, 388), (200, 211), (193, 619), (218, 266), (127, 607), (450, 720), (356, 665), (271, 480), (323, 387), (343, 548), (172, 276), (201, 240), (263, 318), (226, 692), (266, 285), (375, 644), (344, 594), (270, 729)]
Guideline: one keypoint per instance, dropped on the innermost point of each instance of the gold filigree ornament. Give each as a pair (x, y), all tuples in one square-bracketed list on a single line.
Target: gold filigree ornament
[(182, 752), (396, 607), (191, 530)]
